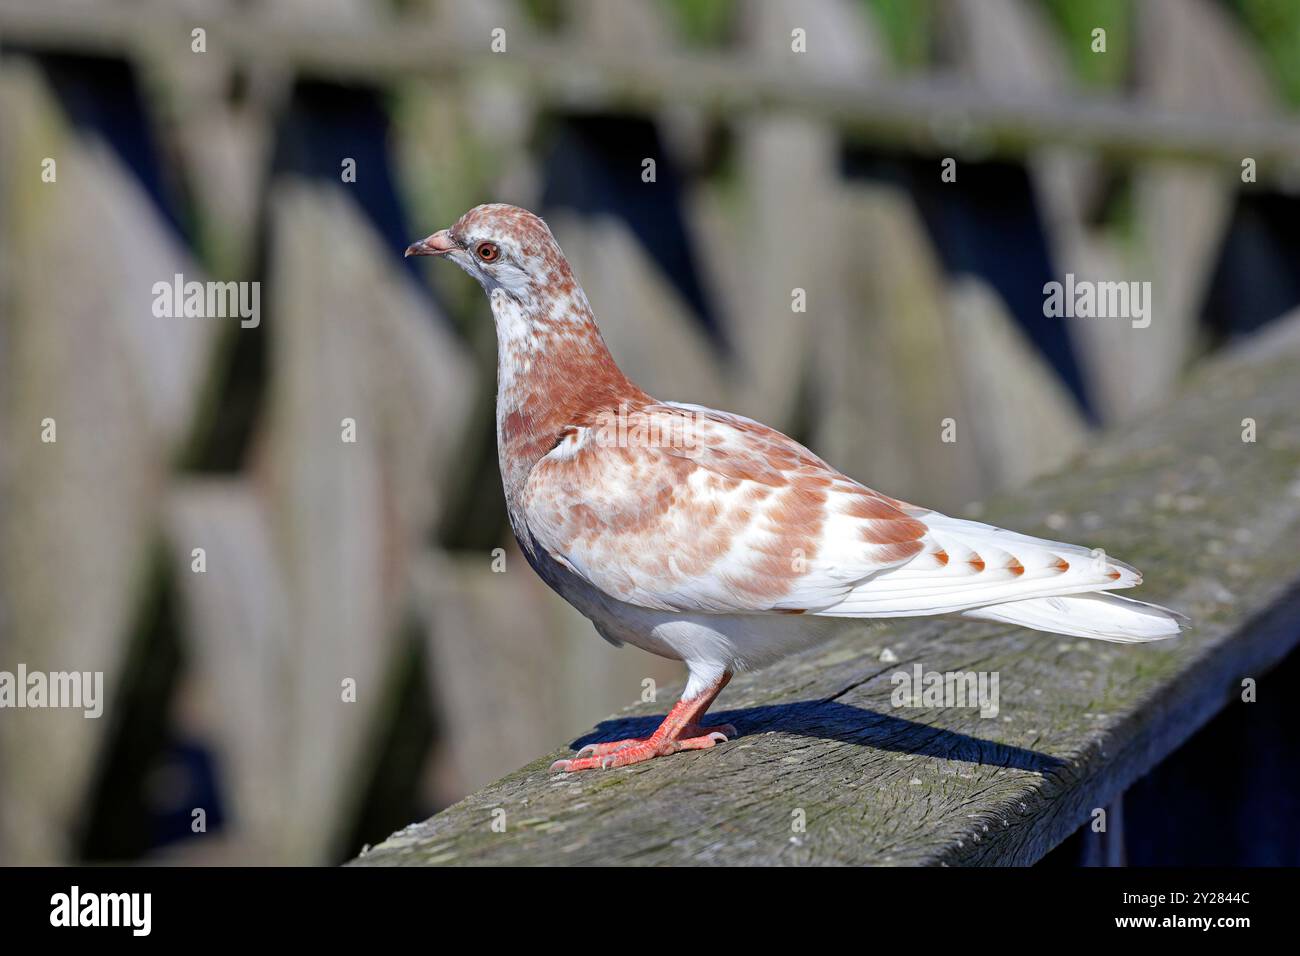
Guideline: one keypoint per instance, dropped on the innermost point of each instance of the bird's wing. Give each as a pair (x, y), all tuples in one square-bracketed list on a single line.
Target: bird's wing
[(683, 508), (704, 511)]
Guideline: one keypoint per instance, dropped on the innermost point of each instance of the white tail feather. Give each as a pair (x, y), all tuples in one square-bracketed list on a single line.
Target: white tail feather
[(1104, 617)]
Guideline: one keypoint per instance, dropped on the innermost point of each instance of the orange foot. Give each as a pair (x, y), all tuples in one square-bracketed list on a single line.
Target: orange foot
[(620, 753), (679, 731)]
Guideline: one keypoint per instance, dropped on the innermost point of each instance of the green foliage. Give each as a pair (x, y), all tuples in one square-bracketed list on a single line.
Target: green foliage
[(1076, 19), (546, 15), (703, 22), (1275, 25), (906, 26)]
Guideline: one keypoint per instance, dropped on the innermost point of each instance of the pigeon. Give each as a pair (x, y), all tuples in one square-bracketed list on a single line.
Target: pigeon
[(710, 538)]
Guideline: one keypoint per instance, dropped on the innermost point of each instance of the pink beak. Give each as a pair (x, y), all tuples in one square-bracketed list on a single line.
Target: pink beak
[(437, 244)]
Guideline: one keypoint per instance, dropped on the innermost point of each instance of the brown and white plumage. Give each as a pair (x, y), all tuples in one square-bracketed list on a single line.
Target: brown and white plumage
[(711, 538)]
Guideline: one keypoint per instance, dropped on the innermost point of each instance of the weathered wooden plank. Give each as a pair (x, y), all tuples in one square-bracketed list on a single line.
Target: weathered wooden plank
[(96, 395), (238, 637), (789, 164), (890, 343), (1212, 520), (1195, 55), (351, 478), (927, 112), (1010, 391)]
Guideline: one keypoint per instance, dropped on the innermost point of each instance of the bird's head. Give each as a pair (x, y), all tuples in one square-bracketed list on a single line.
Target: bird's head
[(505, 248)]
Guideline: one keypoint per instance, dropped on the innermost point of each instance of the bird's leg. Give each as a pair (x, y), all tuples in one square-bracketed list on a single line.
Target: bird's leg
[(681, 730)]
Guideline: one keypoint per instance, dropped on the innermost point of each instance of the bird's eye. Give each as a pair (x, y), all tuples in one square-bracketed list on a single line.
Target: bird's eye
[(488, 251)]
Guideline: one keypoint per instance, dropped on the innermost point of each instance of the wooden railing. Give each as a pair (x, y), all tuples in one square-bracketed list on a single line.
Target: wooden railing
[(827, 769), (926, 113)]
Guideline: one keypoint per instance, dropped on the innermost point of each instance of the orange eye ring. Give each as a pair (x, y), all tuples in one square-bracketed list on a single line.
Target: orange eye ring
[(488, 251)]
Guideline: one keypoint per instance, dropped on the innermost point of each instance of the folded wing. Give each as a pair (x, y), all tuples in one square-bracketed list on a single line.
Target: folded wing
[(701, 511)]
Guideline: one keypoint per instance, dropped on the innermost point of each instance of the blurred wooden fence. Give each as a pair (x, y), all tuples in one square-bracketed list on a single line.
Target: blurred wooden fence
[(323, 557)]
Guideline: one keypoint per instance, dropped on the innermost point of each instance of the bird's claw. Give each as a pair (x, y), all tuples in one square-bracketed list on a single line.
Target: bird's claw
[(621, 753)]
